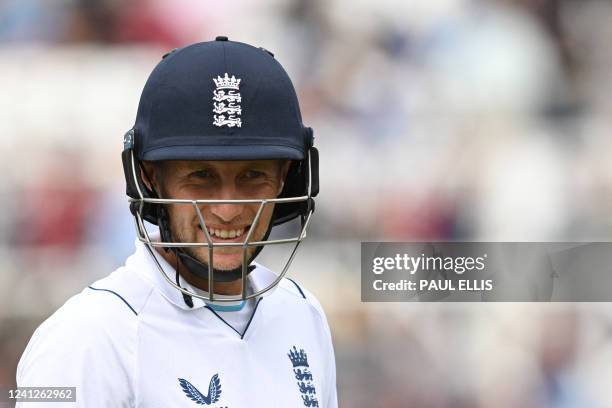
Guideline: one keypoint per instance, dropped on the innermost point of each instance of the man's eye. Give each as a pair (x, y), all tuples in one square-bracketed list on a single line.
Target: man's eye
[(202, 174), (253, 174)]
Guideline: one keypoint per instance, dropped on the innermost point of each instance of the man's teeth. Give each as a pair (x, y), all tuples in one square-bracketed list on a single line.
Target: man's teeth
[(223, 233)]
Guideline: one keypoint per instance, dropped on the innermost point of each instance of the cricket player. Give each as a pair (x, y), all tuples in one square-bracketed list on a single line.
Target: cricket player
[(218, 155)]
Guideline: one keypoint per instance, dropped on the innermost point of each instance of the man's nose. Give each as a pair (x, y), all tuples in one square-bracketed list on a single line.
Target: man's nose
[(227, 212)]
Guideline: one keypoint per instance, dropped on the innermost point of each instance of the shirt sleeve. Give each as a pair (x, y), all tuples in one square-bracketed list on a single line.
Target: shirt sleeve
[(83, 345), (332, 393), (330, 397)]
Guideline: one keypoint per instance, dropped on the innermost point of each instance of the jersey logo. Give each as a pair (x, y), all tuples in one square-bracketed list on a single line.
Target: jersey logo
[(299, 360), (214, 391), (226, 102)]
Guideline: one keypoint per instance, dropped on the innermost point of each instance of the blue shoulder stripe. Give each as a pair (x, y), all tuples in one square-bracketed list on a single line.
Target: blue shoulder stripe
[(298, 288), (116, 294)]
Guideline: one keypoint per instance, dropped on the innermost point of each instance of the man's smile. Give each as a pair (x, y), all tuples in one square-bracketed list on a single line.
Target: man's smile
[(228, 234)]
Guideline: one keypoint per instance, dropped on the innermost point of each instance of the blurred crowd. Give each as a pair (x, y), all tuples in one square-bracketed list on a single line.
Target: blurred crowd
[(439, 119)]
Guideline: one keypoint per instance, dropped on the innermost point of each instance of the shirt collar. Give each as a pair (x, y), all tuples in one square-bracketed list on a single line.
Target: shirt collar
[(144, 264)]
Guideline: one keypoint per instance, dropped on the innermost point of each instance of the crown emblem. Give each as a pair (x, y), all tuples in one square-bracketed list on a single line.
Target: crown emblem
[(226, 101), (303, 376), (298, 358), (226, 82)]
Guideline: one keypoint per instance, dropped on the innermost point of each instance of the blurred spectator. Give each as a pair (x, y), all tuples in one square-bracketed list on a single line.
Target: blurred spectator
[(32, 20), (56, 209)]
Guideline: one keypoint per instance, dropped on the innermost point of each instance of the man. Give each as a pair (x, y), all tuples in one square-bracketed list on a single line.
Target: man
[(217, 157)]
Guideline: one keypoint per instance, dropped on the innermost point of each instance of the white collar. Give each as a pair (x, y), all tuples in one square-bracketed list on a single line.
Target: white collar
[(143, 263)]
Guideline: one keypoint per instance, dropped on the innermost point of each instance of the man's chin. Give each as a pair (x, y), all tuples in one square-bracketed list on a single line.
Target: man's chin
[(221, 265), (227, 268), (226, 262)]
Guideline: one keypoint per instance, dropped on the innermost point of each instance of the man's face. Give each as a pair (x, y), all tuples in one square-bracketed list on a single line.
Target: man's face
[(218, 180)]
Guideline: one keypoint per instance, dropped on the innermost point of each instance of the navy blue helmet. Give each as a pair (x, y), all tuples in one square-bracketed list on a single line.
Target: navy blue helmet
[(223, 100), (220, 100)]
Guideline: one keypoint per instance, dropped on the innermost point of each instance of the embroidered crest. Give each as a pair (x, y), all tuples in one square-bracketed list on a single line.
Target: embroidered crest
[(214, 391), (226, 101), (299, 360)]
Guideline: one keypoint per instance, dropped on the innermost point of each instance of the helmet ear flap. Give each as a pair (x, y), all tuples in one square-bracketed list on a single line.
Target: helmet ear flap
[(131, 187), (311, 164), (134, 185), (302, 179), (314, 171)]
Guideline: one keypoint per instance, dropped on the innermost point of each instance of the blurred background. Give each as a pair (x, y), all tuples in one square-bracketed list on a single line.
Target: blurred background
[(436, 120)]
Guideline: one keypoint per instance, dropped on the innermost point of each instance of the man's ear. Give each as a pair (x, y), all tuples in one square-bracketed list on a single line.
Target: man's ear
[(285, 164), (148, 174)]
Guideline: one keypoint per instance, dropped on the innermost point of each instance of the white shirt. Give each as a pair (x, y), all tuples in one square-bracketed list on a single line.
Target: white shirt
[(129, 340)]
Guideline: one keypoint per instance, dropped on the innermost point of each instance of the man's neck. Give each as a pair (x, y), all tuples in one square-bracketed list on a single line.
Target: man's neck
[(221, 288)]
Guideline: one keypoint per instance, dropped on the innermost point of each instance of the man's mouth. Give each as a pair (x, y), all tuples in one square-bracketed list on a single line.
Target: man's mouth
[(227, 234)]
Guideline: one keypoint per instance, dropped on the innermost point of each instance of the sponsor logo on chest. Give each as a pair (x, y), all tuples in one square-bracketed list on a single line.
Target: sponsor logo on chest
[(214, 391)]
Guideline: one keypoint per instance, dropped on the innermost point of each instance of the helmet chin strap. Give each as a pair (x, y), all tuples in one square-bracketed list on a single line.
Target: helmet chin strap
[(200, 269)]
